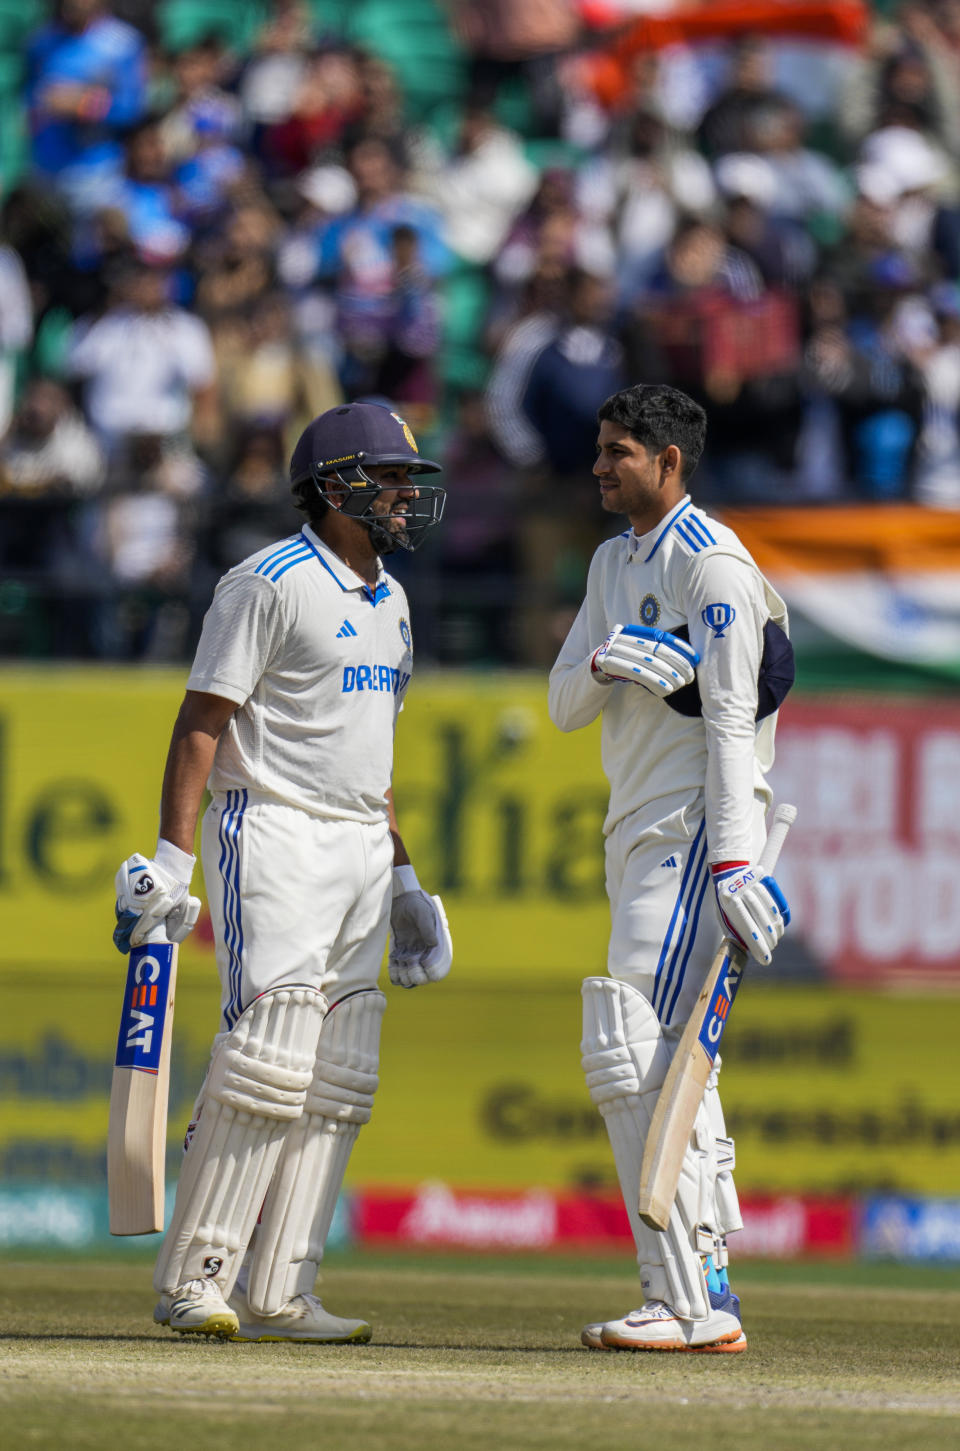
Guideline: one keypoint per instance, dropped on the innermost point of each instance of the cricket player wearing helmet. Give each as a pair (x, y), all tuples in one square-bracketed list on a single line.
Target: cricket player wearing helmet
[(289, 716), (676, 615)]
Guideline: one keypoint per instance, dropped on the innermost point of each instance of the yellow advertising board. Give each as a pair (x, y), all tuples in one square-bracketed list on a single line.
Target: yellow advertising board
[(501, 813), (480, 1086), (825, 1089)]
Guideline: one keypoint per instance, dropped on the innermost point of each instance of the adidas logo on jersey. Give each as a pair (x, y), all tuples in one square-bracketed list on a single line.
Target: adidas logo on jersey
[(345, 631), (671, 861)]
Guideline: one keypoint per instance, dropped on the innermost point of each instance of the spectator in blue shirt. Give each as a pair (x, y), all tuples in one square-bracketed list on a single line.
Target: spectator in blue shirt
[(86, 82), (357, 250)]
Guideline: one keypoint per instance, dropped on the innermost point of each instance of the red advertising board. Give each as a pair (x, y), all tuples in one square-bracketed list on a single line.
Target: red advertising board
[(872, 865), (780, 1227)]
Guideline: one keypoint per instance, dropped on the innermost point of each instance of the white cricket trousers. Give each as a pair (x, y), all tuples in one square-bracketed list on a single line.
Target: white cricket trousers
[(665, 924), (294, 899)]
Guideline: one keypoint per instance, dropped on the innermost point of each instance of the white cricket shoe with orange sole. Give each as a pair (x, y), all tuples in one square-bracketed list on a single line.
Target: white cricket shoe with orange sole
[(655, 1327)]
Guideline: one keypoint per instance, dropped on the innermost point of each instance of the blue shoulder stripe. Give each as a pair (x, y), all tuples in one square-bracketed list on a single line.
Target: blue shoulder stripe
[(688, 536), (700, 529), (282, 568), (279, 553)]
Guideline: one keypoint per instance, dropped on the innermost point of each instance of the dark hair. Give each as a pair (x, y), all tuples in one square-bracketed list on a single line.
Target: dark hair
[(657, 416)]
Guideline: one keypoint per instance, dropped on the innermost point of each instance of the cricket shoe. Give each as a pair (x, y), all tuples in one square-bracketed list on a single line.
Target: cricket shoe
[(655, 1327), (302, 1318), (592, 1336), (197, 1308)]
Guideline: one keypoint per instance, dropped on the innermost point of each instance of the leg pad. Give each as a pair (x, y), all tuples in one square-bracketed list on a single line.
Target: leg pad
[(255, 1089), (625, 1060), (300, 1202)]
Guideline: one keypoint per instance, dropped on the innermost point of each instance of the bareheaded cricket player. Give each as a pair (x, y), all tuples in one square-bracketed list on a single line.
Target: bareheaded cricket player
[(681, 647), (289, 716)]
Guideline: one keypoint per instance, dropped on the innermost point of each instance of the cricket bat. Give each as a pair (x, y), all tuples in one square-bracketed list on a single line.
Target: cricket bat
[(137, 1139), (682, 1090)]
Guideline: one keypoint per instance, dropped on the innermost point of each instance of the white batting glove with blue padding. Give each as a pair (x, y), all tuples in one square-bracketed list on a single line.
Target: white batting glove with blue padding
[(643, 656), (152, 891), (754, 910), (421, 949)]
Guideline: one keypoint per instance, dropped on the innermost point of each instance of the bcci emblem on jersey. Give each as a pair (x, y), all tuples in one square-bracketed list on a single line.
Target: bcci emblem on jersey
[(649, 611), (405, 632), (718, 618)]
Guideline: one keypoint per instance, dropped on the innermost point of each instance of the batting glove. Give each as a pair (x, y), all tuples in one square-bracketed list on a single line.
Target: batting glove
[(155, 890), (421, 949), (654, 659), (753, 908)]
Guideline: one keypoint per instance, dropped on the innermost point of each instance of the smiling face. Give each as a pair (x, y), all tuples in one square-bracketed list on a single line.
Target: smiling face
[(634, 481), (397, 489)]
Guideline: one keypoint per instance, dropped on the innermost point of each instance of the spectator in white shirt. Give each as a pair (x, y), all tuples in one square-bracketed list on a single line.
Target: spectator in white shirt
[(147, 365), (49, 449)]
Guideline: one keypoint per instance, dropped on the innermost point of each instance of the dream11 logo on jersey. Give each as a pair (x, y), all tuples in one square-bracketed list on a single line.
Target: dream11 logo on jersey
[(718, 618)]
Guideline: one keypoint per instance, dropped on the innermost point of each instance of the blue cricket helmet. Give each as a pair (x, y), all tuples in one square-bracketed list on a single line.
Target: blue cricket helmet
[(339, 446)]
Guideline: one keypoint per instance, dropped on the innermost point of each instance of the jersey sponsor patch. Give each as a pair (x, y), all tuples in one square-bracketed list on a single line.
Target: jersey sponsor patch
[(381, 678), (671, 861), (649, 610), (345, 631), (718, 618)]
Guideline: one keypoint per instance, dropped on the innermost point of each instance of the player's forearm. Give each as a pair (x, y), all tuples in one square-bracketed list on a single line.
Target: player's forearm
[(189, 762), (575, 696), (400, 855), (729, 696), (729, 795), (188, 766), (727, 675)]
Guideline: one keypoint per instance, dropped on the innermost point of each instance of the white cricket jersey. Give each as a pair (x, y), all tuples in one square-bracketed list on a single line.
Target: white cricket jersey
[(690, 570), (318, 662)]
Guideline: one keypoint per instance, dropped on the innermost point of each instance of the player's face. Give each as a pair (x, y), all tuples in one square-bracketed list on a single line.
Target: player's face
[(392, 504), (628, 473)]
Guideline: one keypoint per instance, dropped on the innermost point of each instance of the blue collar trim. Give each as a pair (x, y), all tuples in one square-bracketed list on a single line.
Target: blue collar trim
[(375, 595), (680, 509)]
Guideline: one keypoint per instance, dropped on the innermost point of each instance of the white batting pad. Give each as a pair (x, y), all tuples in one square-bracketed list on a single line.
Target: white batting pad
[(302, 1197), (625, 1060), (255, 1089)]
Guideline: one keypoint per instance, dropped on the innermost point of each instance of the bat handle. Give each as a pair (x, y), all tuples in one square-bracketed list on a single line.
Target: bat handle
[(783, 818)]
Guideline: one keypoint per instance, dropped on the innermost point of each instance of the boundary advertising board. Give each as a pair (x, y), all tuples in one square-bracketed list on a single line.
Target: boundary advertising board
[(502, 814)]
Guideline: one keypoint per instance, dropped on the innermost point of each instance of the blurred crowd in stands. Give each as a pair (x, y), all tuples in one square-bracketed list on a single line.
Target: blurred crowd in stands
[(490, 214)]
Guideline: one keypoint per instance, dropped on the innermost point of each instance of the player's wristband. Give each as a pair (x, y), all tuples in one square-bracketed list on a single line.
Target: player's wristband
[(404, 880), (717, 867), (172, 859)]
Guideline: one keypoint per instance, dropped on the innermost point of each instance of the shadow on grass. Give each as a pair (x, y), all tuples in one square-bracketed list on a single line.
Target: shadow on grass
[(165, 1342)]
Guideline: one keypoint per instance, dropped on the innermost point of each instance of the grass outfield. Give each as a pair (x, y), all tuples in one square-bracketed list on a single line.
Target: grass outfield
[(483, 1353)]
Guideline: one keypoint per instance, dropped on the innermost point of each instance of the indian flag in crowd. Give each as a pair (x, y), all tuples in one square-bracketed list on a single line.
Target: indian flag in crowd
[(884, 580)]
